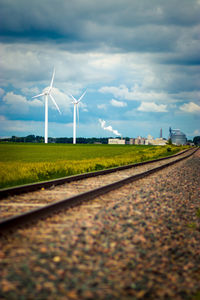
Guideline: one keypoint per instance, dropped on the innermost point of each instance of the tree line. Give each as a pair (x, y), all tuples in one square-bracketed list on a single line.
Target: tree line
[(64, 140)]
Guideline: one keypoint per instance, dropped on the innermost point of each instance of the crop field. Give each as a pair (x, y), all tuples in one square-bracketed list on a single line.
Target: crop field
[(27, 163)]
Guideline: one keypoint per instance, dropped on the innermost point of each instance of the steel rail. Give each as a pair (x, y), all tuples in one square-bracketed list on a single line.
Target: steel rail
[(16, 190), (39, 213)]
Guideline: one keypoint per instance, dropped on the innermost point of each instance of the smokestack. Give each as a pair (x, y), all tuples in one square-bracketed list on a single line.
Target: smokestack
[(161, 133)]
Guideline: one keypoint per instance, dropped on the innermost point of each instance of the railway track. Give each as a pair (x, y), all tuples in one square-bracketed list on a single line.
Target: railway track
[(29, 203)]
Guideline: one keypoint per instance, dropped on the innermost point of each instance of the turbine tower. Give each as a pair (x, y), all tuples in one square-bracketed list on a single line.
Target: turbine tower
[(76, 103), (47, 94)]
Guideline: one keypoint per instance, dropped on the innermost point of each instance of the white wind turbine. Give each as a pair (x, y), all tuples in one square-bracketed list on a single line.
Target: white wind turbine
[(76, 103), (46, 94)]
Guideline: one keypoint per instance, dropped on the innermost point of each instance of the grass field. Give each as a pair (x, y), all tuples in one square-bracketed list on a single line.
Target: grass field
[(26, 163)]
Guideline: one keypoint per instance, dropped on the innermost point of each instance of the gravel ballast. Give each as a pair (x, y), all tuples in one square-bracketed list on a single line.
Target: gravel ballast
[(141, 241)]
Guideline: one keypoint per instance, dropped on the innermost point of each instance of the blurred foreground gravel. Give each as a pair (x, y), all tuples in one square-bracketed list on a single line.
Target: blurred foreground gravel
[(141, 241)]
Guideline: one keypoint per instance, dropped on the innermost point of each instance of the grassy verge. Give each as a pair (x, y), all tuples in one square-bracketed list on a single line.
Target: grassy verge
[(27, 163)]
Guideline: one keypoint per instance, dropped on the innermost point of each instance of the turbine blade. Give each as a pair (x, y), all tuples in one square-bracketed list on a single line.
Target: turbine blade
[(39, 95), (73, 98), (82, 96), (52, 79), (55, 103)]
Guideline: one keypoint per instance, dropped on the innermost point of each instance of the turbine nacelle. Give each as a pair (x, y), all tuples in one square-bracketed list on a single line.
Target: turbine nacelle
[(47, 90), (75, 101)]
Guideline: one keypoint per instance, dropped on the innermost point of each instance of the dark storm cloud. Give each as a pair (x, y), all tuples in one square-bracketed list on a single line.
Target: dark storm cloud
[(124, 25), (190, 60), (164, 35)]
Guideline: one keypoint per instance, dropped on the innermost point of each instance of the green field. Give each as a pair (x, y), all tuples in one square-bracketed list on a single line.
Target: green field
[(26, 163)]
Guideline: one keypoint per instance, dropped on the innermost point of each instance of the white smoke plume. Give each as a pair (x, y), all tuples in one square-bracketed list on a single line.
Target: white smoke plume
[(109, 128)]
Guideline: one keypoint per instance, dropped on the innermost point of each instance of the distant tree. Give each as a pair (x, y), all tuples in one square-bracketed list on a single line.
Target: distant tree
[(64, 140), (13, 138), (196, 140), (30, 138), (170, 141), (39, 139)]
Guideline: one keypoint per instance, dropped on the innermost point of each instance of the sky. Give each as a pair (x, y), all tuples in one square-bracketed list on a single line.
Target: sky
[(139, 61)]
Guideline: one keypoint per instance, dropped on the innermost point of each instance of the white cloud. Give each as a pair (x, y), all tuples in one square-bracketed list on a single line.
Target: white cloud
[(2, 118), (63, 100), (1, 92), (190, 107), (83, 106), (31, 64), (118, 103), (23, 128), (30, 91), (136, 94), (101, 106), (18, 103), (152, 107), (197, 132), (18, 126)]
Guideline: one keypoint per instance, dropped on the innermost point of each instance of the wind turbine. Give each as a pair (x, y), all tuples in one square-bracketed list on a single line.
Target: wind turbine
[(47, 94), (76, 103)]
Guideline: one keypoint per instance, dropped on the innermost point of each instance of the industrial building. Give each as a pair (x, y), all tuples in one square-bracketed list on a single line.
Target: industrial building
[(131, 141), (177, 137), (157, 142), (140, 141), (116, 141)]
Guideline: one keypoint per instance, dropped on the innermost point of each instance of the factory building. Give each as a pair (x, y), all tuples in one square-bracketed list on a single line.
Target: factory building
[(116, 141), (177, 137), (157, 142), (131, 141), (140, 141)]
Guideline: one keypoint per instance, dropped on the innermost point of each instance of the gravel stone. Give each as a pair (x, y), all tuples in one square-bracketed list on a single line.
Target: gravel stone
[(141, 241)]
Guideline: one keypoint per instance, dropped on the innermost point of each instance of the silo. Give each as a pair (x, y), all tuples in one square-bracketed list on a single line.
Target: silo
[(177, 137)]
